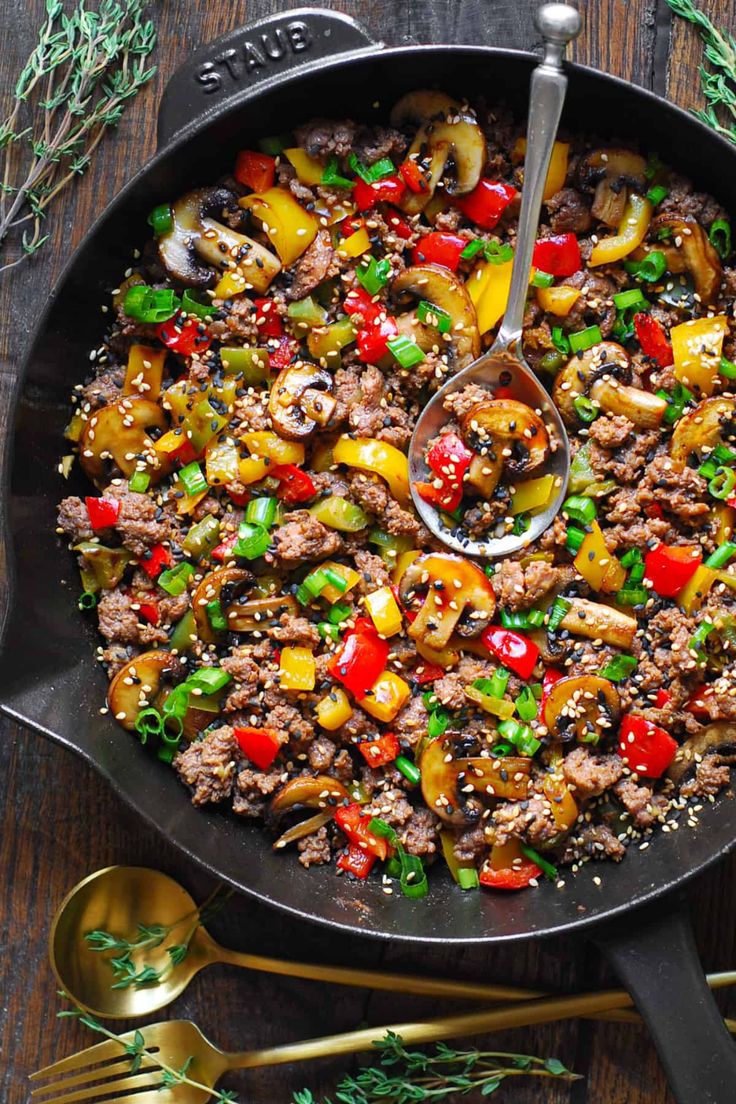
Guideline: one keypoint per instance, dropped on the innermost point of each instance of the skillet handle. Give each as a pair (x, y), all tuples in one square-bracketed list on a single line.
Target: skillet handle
[(257, 54), (653, 951)]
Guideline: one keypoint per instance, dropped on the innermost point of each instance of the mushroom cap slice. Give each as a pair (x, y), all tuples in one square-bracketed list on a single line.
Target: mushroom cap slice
[(225, 585), (318, 792), (509, 429), (643, 408), (615, 170), (583, 707), (445, 778), (301, 400), (712, 422), (459, 598), (720, 736), (595, 621), (696, 253), (258, 613), (138, 684), (117, 435), (442, 288), (607, 358)]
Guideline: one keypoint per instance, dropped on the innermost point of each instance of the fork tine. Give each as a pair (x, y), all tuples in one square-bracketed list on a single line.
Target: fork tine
[(92, 1073), (98, 1053), (111, 1090), (153, 1097)]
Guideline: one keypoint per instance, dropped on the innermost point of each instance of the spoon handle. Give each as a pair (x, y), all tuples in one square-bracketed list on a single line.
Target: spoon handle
[(558, 25)]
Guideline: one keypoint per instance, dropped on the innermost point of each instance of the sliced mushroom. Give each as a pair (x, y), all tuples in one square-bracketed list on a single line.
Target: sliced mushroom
[(138, 685), (613, 171), (718, 737), (447, 132), (599, 622), (583, 707), (508, 430), (302, 829), (712, 422), (606, 365), (117, 437), (643, 408), (307, 792), (484, 473), (249, 614), (199, 248), (445, 781), (455, 596), (300, 400), (442, 288), (691, 251), (224, 585)]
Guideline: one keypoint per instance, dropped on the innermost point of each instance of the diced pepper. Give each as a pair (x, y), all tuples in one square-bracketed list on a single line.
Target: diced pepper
[(390, 189), (356, 861), (149, 611), (159, 558), (268, 320), (326, 342), (340, 513), (184, 336), (370, 454), (355, 244), (413, 177), (597, 564), (295, 485), (653, 339), (439, 247), (645, 747), (631, 233), (697, 346), (351, 820), (558, 300), (695, 590), (102, 512), (373, 339), (381, 751), (551, 676), (508, 868), (384, 611), (309, 170), (512, 650), (296, 669), (230, 285), (662, 698), (361, 659), (486, 203), (350, 579), (255, 170), (260, 745), (488, 287), (267, 451), (144, 371), (534, 494), (562, 804), (334, 710), (429, 672), (669, 568), (289, 228), (559, 255), (557, 172), (398, 224)]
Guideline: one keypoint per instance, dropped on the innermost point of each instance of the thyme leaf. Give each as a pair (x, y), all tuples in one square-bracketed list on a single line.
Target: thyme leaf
[(718, 83)]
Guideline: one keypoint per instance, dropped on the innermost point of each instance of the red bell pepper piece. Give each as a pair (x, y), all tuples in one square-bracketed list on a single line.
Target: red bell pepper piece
[(398, 224), (240, 498), (255, 170), (486, 203), (415, 180), (358, 301), (184, 336), (511, 877), (669, 567), (558, 255), (373, 339), (268, 321), (430, 673), (439, 247), (645, 747), (653, 340), (661, 699), (391, 189), (449, 459), (149, 610), (512, 650), (354, 824), (697, 704), (154, 564), (102, 512), (383, 750), (361, 658), (287, 350), (223, 551), (260, 745), (440, 497), (356, 861), (654, 510), (295, 485), (551, 676)]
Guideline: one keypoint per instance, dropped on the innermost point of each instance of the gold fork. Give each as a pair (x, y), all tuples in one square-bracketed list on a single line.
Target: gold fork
[(104, 1070)]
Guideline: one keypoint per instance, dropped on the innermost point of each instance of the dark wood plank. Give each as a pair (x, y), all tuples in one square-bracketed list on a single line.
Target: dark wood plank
[(61, 821)]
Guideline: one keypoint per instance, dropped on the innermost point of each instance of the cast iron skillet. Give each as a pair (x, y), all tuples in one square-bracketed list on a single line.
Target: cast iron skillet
[(262, 79)]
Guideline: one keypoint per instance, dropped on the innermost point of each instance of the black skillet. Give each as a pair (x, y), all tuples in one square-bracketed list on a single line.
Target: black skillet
[(259, 80)]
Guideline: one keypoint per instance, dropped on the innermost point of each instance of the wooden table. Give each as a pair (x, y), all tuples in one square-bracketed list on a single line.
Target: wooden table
[(62, 821)]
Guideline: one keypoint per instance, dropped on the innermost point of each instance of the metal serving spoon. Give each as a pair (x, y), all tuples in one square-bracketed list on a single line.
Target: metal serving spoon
[(504, 365)]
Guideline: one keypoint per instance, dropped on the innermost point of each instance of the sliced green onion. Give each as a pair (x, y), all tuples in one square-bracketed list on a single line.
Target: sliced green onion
[(405, 351), (526, 704), (312, 586), (434, 316), (252, 542), (409, 769), (215, 616), (328, 631), (261, 511), (560, 606), (467, 877), (708, 469), (489, 570), (198, 307), (548, 869), (586, 410), (697, 640), (722, 555), (275, 144), (724, 455), (169, 744), (339, 612), (371, 173), (139, 482), (332, 178), (575, 538), (335, 579), (208, 679), (439, 722), (413, 880), (161, 219), (174, 580), (542, 279), (585, 339), (192, 479), (633, 596), (514, 619), (631, 298), (560, 340), (630, 558), (656, 194), (636, 574), (472, 249), (618, 668), (149, 722), (521, 523), (727, 368), (521, 736), (498, 252), (722, 484), (499, 750), (87, 600), (580, 508), (374, 274), (499, 680), (150, 305), (676, 402), (552, 362), (719, 236), (202, 537), (177, 702), (650, 268)]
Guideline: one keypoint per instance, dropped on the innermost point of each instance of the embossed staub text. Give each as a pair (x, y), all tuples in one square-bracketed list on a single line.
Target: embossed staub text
[(259, 52)]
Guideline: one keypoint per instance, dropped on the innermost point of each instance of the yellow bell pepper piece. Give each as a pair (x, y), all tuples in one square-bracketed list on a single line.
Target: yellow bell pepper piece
[(170, 441), (557, 171), (328, 215), (296, 669), (631, 233), (405, 560), (563, 805), (386, 697), (288, 226), (186, 503), (695, 590), (308, 169), (696, 348), (333, 710), (266, 449), (384, 611), (144, 371), (532, 495), (221, 460), (230, 284), (331, 593), (558, 300), (725, 522), (354, 246), (369, 454), (598, 566), (488, 287)]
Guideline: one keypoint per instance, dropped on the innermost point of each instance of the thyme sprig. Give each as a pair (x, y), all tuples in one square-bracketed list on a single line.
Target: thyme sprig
[(719, 86), (125, 953), (407, 1076), (86, 66)]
